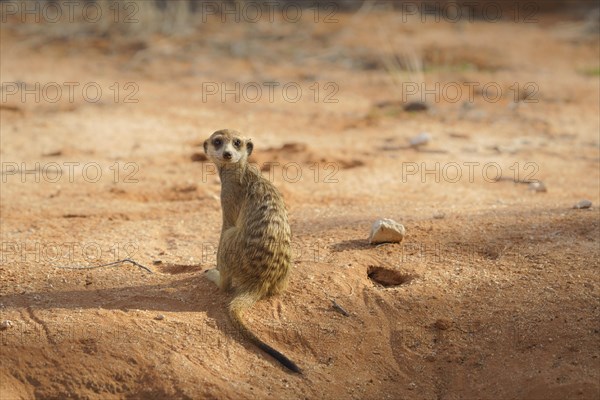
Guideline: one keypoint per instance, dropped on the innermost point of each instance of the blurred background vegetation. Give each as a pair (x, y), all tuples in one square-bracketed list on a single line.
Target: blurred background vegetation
[(143, 17)]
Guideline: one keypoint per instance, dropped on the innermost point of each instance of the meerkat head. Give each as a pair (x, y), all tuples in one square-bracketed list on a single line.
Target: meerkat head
[(227, 147)]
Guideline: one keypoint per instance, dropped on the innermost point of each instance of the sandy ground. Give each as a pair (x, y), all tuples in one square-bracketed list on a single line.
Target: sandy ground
[(496, 289)]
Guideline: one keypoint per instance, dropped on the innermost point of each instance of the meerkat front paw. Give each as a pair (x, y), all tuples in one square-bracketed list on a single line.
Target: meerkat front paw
[(213, 275)]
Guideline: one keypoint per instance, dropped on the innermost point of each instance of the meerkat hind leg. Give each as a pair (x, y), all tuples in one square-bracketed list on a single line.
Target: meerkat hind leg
[(226, 257), (225, 282), (279, 287)]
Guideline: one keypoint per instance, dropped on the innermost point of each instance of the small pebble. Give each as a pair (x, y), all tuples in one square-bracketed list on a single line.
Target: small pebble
[(412, 386), (583, 204), (159, 317), (420, 140), (538, 187), (157, 262), (440, 215), (54, 153), (416, 106), (5, 325)]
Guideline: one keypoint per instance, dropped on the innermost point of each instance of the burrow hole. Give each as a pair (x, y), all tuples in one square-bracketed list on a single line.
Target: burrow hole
[(388, 277)]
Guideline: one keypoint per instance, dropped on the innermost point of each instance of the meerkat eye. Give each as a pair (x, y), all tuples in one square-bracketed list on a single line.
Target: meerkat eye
[(237, 143), (217, 142)]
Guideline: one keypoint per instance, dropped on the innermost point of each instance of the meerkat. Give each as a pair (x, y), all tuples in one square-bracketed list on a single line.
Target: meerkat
[(254, 254)]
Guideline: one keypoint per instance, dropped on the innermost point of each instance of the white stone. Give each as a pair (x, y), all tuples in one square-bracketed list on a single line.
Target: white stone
[(538, 187), (420, 140), (5, 325), (386, 231), (583, 204)]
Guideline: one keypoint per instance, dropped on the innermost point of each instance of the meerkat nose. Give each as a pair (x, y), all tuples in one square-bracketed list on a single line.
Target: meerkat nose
[(227, 155)]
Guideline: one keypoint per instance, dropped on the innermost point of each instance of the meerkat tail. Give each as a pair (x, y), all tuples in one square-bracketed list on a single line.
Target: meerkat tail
[(236, 310)]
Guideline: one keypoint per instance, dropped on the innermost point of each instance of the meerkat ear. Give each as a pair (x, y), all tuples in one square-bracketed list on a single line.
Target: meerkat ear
[(206, 146), (249, 147)]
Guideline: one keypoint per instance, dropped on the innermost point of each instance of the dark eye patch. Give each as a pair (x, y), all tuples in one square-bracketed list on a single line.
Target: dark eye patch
[(237, 143), (217, 143)]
